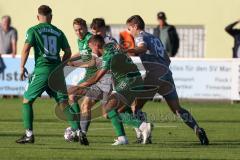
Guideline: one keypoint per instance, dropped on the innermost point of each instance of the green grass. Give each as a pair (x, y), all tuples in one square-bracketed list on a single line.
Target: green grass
[(171, 138)]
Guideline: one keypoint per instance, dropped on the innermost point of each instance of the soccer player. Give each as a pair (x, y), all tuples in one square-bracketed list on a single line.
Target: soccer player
[(87, 61), (126, 79), (159, 76), (47, 41), (102, 89)]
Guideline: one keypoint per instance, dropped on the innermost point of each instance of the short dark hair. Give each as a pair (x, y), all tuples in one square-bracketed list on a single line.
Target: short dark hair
[(136, 19), (80, 21), (97, 39), (44, 10), (98, 23)]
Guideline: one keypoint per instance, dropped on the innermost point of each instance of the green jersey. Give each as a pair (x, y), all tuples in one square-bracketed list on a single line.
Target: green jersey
[(120, 65), (47, 41), (86, 53)]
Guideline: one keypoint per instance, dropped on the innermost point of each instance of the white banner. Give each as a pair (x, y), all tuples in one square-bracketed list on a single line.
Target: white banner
[(204, 79), (194, 78)]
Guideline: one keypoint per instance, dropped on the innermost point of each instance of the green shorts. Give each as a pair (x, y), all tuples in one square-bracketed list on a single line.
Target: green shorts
[(38, 83), (128, 89)]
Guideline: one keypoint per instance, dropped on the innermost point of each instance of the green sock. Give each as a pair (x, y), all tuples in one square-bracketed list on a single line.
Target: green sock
[(116, 122), (69, 113), (27, 114), (128, 119), (75, 107)]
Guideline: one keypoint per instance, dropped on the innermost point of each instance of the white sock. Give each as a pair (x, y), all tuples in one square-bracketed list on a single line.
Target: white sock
[(122, 138), (29, 133), (143, 126), (138, 132), (78, 132)]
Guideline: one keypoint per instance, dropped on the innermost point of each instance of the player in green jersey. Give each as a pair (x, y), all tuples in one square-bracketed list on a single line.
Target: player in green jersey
[(85, 59), (47, 41), (126, 79)]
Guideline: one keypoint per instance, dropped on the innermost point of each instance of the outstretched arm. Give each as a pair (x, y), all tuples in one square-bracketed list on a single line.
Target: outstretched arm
[(77, 89), (229, 29)]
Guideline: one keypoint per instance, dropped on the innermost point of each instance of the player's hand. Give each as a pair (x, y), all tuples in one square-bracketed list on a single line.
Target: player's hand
[(23, 73)]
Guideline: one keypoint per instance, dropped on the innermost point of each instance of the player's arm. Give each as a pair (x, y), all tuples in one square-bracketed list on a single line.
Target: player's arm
[(24, 57), (140, 49), (75, 57), (229, 29), (67, 54), (87, 64), (98, 75), (66, 48), (94, 79)]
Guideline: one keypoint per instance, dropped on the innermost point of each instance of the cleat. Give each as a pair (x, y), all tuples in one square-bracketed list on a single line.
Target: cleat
[(201, 134), (24, 139), (120, 141), (83, 139), (139, 140)]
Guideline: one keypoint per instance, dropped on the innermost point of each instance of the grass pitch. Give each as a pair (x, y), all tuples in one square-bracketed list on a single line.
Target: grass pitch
[(171, 138)]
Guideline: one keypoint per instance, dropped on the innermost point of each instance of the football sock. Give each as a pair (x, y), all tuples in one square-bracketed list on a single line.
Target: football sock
[(29, 133), (75, 107), (69, 113), (27, 114), (85, 121), (187, 118), (116, 122)]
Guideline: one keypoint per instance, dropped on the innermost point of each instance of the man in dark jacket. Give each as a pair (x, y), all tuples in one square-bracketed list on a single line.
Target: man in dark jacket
[(167, 34), (236, 35)]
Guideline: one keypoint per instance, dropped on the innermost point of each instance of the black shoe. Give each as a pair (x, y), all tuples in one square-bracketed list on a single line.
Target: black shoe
[(83, 139), (24, 139), (149, 140), (202, 136), (139, 140), (76, 139)]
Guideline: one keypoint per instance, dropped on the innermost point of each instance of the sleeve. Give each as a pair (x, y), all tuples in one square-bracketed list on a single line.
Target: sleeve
[(65, 43), (30, 37), (14, 36), (139, 40), (106, 62), (174, 39), (230, 30)]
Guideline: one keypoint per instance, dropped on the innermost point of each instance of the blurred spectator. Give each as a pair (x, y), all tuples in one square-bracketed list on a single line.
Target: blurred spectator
[(167, 34), (126, 40), (236, 35), (8, 37)]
